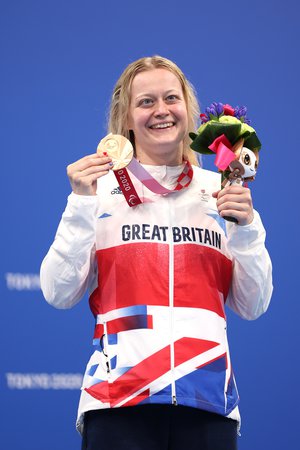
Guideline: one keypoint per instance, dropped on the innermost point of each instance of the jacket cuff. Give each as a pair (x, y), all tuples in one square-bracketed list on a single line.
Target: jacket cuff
[(244, 237)]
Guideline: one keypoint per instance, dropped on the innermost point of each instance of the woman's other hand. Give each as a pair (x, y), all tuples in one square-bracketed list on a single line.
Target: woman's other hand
[(235, 201)]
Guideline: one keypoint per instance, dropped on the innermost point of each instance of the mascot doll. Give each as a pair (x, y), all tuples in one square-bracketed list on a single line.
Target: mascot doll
[(226, 132)]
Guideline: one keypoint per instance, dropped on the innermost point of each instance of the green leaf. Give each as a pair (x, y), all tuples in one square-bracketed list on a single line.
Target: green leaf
[(192, 135), (209, 131), (233, 129), (252, 142)]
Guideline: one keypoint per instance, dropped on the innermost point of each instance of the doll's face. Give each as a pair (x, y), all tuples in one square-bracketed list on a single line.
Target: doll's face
[(249, 162)]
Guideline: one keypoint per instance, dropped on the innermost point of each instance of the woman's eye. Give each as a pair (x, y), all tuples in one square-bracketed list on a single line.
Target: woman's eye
[(145, 102), (172, 98)]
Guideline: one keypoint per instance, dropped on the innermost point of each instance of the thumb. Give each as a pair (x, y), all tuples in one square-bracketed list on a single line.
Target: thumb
[(215, 194)]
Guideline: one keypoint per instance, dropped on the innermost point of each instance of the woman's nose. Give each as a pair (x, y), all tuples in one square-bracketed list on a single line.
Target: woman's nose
[(161, 108)]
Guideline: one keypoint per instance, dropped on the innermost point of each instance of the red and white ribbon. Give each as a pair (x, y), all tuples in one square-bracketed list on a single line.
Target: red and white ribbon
[(146, 178)]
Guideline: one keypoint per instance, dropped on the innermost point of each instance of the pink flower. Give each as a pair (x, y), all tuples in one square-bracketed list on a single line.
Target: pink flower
[(204, 118), (228, 110)]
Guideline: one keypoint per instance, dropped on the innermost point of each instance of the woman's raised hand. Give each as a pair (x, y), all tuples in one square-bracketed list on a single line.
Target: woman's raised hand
[(83, 174)]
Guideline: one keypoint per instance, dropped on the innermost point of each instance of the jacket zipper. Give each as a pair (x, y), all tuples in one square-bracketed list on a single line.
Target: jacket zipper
[(105, 339), (171, 306)]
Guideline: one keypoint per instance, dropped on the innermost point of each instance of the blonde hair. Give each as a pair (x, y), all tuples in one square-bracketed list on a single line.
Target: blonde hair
[(120, 102)]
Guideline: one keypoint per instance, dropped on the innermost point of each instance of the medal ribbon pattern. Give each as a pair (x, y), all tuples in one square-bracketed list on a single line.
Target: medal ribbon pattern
[(144, 176)]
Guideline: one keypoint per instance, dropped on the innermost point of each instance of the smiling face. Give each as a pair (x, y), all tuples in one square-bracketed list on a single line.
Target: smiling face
[(158, 117)]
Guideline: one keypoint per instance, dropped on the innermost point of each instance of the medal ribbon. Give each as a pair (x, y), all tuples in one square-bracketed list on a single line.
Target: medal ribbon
[(127, 187), (142, 175)]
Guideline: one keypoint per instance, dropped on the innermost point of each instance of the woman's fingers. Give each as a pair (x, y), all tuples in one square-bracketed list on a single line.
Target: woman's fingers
[(235, 201), (83, 174), (87, 161)]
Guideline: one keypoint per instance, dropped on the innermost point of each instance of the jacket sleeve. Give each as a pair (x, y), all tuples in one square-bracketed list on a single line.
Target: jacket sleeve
[(69, 266), (251, 286)]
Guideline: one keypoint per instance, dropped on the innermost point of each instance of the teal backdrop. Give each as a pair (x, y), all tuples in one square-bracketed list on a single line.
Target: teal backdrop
[(59, 62)]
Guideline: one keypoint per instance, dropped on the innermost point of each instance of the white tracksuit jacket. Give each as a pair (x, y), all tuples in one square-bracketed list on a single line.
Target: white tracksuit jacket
[(159, 275)]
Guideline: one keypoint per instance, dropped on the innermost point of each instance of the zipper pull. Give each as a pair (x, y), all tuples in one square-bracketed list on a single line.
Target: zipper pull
[(174, 400)]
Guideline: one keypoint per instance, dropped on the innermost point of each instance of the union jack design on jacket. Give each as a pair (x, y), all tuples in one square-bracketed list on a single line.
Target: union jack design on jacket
[(164, 271)]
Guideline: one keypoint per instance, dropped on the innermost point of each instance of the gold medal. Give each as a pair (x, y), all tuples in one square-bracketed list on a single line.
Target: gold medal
[(118, 147)]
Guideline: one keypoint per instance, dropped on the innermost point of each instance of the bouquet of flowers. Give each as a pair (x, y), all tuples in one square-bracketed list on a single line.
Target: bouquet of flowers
[(226, 132)]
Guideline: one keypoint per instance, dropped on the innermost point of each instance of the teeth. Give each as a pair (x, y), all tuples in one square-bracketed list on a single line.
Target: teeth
[(162, 125)]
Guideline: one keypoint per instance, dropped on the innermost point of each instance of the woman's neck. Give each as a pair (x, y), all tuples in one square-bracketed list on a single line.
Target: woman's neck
[(160, 159)]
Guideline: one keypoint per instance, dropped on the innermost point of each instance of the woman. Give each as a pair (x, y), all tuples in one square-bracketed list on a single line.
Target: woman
[(159, 274)]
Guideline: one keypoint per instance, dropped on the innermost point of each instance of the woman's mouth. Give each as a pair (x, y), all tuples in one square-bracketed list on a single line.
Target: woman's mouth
[(159, 126)]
